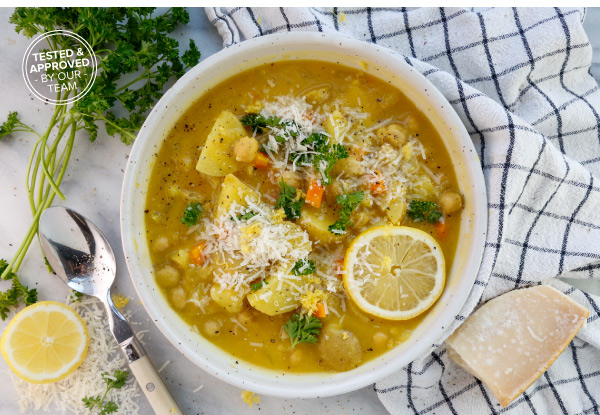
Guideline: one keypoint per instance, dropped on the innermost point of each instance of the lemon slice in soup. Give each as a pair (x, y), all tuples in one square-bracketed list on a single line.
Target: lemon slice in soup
[(394, 272)]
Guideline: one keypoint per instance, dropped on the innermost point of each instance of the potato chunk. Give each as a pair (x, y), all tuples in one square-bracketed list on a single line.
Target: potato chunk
[(279, 295), (233, 190), (316, 222), (217, 157), (339, 349), (230, 300), (245, 149)]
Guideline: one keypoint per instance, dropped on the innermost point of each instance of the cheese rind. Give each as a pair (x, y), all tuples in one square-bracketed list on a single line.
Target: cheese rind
[(512, 340)]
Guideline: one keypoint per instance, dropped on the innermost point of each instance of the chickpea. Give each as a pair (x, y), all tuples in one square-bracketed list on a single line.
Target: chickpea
[(244, 317), (451, 202), (178, 298), (167, 276), (296, 357), (380, 340), (160, 244), (293, 178), (394, 134), (245, 149), (211, 328)]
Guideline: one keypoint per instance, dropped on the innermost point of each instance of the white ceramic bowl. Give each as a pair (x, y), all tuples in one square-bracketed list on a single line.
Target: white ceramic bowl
[(329, 48)]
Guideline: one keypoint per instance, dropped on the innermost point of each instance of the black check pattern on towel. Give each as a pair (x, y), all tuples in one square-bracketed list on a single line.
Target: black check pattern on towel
[(520, 81)]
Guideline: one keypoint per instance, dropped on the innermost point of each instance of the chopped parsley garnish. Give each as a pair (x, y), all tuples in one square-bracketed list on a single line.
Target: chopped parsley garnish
[(259, 285), (304, 267), (191, 214), (258, 122), (246, 215), (303, 328), (323, 155), (114, 381), (348, 203), (15, 294), (420, 210), (290, 200)]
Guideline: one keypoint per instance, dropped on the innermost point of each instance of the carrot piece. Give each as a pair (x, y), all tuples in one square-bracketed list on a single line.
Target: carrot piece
[(314, 194), (261, 160), (441, 228), (358, 152), (321, 313), (339, 267), (377, 185), (197, 253)]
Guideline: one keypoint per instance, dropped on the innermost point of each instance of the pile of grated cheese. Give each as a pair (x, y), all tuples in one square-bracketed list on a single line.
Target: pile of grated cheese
[(248, 250), (103, 355)]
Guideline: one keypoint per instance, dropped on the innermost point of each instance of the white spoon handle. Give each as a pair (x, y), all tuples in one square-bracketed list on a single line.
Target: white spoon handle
[(155, 390)]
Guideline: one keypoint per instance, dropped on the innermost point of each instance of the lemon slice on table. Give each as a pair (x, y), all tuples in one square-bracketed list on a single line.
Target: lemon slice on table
[(394, 272), (45, 342)]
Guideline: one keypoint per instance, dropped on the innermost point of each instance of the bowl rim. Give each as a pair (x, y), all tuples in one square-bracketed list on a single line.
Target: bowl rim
[(327, 386)]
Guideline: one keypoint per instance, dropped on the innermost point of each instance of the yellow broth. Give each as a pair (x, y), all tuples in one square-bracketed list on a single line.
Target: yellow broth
[(250, 335)]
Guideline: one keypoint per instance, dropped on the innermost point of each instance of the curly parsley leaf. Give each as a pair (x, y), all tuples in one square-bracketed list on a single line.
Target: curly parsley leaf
[(347, 202), (191, 214), (290, 200), (303, 328), (322, 155), (258, 122), (16, 294), (114, 381), (304, 267), (420, 210)]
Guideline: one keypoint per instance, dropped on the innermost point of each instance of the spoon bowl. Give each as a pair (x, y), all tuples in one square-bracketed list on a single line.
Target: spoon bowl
[(82, 257), (77, 251)]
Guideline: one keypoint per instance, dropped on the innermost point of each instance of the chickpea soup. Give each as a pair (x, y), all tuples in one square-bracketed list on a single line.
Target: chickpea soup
[(301, 216)]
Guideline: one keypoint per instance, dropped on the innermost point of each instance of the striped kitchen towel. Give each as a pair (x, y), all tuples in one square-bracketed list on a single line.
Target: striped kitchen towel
[(520, 81)]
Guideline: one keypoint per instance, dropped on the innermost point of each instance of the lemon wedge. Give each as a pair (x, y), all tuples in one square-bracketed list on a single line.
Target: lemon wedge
[(394, 272), (45, 342)]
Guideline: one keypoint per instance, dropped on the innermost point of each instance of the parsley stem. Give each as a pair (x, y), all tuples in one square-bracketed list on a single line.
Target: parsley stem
[(121, 131)]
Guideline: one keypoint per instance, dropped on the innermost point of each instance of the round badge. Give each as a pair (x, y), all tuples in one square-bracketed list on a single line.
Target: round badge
[(61, 75)]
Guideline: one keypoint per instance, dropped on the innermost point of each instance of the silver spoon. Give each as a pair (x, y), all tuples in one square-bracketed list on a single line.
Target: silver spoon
[(82, 257)]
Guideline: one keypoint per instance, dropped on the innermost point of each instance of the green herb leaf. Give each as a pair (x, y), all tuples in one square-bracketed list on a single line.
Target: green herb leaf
[(114, 381), (347, 202), (191, 214), (304, 267), (289, 201), (258, 285), (246, 215), (420, 210), (258, 122), (322, 155), (16, 294), (303, 328)]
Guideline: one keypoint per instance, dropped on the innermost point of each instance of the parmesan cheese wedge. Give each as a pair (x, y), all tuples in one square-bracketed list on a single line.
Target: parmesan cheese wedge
[(512, 340)]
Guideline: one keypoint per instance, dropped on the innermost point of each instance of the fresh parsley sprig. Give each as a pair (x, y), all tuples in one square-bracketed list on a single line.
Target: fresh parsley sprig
[(290, 200), (322, 155), (191, 214), (347, 202), (304, 267), (421, 210), (303, 328), (114, 381), (136, 57), (16, 294), (258, 122)]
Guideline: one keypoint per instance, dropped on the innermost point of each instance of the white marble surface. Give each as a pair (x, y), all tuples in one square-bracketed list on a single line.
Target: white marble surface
[(93, 186)]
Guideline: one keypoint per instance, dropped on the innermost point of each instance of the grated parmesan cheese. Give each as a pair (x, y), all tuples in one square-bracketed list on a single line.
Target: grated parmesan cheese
[(103, 355)]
